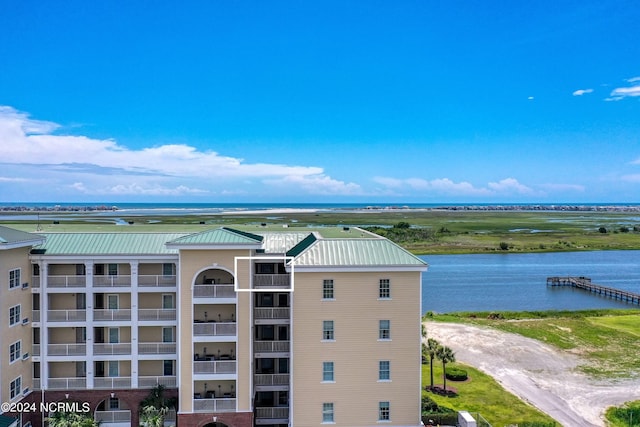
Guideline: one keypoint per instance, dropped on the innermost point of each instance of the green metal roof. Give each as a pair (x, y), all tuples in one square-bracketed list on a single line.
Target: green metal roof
[(6, 421), (16, 238), (356, 253), (107, 243), (218, 236)]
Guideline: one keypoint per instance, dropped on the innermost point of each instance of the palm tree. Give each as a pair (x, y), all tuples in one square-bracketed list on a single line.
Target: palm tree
[(446, 355), (71, 419), (152, 416), (431, 350)]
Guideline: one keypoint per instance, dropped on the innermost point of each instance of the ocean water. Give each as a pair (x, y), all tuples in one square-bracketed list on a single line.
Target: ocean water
[(517, 282)]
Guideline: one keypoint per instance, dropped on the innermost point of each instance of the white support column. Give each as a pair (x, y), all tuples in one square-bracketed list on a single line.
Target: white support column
[(90, 299), (44, 333), (134, 324)]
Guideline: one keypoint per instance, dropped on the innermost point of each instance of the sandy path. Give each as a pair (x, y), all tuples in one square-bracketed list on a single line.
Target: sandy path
[(535, 372)]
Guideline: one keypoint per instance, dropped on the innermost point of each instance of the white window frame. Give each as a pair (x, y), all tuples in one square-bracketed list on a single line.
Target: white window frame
[(384, 411), (384, 370), (168, 269), (110, 337), (15, 351), (15, 315), (171, 299), (384, 289), (115, 365), (15, 388), (117, 299), (328, 372), (112, 269), (328, 330), (14, 278), (328, 290), (384, 330), (173, 337), (328, 413)]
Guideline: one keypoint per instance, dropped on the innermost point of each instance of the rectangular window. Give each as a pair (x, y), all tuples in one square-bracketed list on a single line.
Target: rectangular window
[(114, 335), (16, 388), (384, 370), (113, 269), (114, 403), (385, 289), (98, 269), (15, 351), (81, 270), (112, 302), (168, 269), (14, 315), (327, 412), (327, 371), (167, 334), (327, 289), (167, 366), (14, 278), (384, 332), (384, 411), (167, 301), (35, 268), (327, 330), (114, 368)]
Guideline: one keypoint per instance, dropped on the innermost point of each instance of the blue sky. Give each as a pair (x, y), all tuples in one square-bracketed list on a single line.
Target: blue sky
[(346, 101)]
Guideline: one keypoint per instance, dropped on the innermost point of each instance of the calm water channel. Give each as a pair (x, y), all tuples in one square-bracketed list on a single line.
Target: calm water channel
[(518, 281)]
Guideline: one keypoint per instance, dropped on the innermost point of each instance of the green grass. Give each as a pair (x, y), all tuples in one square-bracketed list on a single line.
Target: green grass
[(606, 339), (627, 415), (482, 394)]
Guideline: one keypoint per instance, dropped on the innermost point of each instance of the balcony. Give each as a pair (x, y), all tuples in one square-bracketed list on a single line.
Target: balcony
[(66, 315), (67, 383), (213, 291), (271, 379), (106, 417), (214, 329), (157, 348), (152, 381), (271, 346), (151, 314), (112, 349), (271, 313), (275, 281), (36, 383), (111, 315), (66, 282), (112, 382), (277, 413), (156, 281), (35, 349), (65, 349), (214, 367), (119, 281), (35, 315), (214, 405)]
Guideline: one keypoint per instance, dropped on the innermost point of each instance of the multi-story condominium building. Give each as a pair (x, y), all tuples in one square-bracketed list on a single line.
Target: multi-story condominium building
[(247, 326)]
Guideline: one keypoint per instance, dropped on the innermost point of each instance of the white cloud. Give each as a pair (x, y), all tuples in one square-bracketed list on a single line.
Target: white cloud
[(509, 185), (634, 79), (104, 167), (439, 186), (581, 92), (623, 92)]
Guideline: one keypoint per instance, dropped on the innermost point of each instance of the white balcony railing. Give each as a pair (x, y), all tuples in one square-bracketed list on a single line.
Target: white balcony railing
[(280, 281), (66, 315), (214, 405), (152, 381), (214, 367), (112, 348), (66, 281), (67, 383), (36, 383), (108, 315), (35, 315), (214, 329), (116, 281), (157, 314), (271, 346), (35, 349), (156, 281), (157, 348), (271, 379), (35, 282), (65, 349), (271, 313), (120, 416), (272, 413), (112, 382), (213, 291)]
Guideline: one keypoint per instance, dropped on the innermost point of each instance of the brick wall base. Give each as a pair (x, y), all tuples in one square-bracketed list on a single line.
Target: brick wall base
[(228, 419), (129, 399)]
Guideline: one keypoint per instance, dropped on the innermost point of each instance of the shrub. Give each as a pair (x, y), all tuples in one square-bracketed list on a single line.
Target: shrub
[(504, 246), (602, 230), (456, 374)]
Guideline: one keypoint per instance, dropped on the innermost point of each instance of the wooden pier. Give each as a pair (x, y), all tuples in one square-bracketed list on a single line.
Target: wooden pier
[(585, 284)]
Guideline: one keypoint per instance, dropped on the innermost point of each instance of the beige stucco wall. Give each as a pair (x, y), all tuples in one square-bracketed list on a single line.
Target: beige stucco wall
[(9, 260), (153, 300), (192, 262), (356, 352)]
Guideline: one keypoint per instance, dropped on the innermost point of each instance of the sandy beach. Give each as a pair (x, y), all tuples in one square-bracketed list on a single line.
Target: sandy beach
[(537, 373)]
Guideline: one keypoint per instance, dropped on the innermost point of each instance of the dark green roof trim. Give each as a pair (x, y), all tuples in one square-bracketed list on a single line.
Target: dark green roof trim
[(245, 234), (6, 421), (302, 246)]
